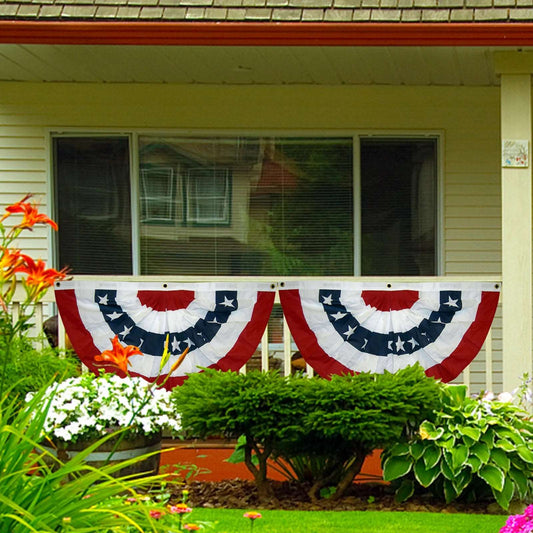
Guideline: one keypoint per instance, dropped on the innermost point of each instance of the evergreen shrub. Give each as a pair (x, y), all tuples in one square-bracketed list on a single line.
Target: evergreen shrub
[(320, 430)]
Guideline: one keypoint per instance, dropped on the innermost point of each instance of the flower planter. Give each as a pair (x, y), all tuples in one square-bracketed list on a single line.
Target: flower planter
[(129, 448), (210, 457)]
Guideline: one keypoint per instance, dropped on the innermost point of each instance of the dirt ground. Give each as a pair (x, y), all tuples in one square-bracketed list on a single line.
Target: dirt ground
[(241, 494)]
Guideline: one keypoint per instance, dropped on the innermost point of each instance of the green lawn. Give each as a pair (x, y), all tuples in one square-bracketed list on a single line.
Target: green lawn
[(232, 521)]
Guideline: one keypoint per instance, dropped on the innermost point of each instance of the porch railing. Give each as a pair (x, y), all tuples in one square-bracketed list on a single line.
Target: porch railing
[(277, 346)]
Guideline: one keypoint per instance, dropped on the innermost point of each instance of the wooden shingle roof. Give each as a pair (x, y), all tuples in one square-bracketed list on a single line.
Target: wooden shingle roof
[(331, 11)]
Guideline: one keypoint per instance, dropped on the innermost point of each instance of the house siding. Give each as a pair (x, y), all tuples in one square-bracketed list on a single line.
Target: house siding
[(467, 118)]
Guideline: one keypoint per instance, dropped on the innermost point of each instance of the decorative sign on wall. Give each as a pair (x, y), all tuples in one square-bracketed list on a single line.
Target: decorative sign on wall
[(515, 153), (338, 326)]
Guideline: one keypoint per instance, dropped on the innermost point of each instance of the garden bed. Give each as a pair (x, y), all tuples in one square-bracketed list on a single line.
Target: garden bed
[(241, 494)]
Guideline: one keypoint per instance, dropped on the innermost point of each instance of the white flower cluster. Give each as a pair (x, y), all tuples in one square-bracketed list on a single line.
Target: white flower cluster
[(91, 406)]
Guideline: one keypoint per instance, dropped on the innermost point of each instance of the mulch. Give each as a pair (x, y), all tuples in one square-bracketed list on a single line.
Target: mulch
[(242, 494)]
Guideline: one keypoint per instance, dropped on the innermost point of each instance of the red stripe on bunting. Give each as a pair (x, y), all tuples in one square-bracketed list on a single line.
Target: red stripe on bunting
[(165, 300), (305, 339), (471, 342), (79, 337), (390, 300)]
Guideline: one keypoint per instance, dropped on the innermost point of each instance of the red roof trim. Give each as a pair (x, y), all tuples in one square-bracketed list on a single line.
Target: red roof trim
[(266, 33)]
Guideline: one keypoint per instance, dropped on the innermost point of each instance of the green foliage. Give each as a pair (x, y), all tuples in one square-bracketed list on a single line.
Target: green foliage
[(318, 431), (36, 496), (470, 448), (31, 368)]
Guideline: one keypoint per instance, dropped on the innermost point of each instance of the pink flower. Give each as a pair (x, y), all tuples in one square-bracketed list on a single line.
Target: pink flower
[(191, 527), (180, 508), (154, 513), (252, 515)]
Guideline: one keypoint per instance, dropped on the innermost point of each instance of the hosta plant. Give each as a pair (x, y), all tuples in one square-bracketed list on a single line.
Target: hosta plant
[(472, 448)]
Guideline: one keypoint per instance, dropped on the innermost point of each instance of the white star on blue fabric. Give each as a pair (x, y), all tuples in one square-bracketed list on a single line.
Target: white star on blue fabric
[(338, 315), (451, 302), (114, 315), (102, 300), (399, 345), (349, 331), (125, 331), (413, 342), (227, 302), (328, 300), (175, 344)]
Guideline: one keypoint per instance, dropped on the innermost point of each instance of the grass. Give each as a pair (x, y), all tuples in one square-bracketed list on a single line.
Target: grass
[(232, 521)]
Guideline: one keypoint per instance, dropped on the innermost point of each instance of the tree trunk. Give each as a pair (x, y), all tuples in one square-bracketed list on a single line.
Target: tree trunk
[(259, 471)]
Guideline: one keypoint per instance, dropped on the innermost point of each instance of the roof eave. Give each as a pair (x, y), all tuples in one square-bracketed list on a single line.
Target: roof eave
[(264, 33)]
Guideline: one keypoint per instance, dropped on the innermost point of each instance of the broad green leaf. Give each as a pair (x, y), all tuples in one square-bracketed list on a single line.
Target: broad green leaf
[(488, 437), (520, 480), (500, 459), (446, 470), (525, 453), (505, 445), (504, 496), (462, 480), (450, 493), (509, 434), (405, 490), (481, 451), (400, 448), (431, 456), (447, 442), (459, 456), (416, 449), (474, 462), (457, 393), (493, 476), (470, 431), (395, 467), (429, 431), (425, 476)]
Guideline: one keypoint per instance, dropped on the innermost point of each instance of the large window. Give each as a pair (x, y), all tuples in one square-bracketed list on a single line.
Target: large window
[(246, 205)]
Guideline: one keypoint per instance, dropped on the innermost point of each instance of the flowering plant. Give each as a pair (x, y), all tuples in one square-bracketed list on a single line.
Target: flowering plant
[(34, 276), (90, 406), (519, 523)]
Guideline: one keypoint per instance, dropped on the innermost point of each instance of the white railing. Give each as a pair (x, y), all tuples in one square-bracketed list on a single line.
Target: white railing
[(278, 352)]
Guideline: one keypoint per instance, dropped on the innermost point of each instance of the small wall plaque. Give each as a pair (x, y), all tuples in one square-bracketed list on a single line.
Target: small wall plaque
[(515, 153)]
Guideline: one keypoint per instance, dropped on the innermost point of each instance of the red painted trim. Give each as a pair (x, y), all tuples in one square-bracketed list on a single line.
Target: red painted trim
[(266, 33)]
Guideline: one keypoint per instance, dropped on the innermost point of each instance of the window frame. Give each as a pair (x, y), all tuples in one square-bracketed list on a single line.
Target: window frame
[(133, 134)]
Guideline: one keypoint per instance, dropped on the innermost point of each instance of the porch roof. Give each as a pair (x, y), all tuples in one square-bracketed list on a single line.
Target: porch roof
[(332, 11)]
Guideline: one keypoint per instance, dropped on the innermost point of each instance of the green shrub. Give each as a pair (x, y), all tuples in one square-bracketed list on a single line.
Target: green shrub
[(470, 448), (319, 431), (31, 368)]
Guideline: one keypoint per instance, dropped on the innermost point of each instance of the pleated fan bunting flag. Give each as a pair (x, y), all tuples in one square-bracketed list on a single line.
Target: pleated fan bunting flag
[(221, 323), (345, 327)]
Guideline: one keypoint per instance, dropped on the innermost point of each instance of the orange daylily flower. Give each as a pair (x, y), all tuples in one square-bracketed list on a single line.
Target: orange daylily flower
[(10, 260), (39, 277), (119, 355), (30, 213)]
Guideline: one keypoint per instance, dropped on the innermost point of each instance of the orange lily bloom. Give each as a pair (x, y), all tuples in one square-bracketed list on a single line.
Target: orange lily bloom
[(31, 215), (10, 260), (39, 277), (119, 355)]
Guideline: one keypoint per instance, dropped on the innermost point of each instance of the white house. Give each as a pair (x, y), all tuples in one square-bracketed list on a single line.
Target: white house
[(243, 138)]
